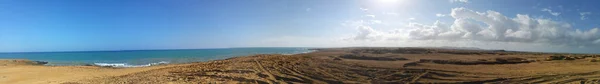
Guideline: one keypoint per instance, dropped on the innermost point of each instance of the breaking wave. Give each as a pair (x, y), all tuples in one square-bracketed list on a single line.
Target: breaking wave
[(300, 52), (128, 65)]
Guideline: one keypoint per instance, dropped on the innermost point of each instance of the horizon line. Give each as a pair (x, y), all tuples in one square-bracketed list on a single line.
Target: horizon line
[(68, 51), (125, 50)]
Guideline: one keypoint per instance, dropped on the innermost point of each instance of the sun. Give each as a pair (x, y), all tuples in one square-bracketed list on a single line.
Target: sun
[(388, 1), (388, 5)]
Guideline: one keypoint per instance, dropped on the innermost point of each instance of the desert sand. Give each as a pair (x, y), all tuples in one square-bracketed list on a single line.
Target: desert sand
[(333, 65)]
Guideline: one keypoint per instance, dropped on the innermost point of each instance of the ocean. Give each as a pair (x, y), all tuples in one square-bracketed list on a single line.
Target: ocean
[(142, 58)]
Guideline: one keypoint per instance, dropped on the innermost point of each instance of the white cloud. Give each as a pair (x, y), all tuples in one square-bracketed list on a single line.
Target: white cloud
[(367, 33), (461, 1), (372, 16), (420, 31), (376, 21), (584, 15), (490, 26), (550, 11), (440, 15), (364, 9)]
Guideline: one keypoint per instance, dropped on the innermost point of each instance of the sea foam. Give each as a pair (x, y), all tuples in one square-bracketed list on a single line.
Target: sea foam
[(128, 65)]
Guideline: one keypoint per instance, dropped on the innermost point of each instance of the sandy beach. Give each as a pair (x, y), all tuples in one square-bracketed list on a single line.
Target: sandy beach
[(337, 65), (25, 72)]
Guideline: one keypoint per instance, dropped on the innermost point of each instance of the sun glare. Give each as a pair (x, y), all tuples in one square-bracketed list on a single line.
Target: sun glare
[(388, 1), (387, 4)]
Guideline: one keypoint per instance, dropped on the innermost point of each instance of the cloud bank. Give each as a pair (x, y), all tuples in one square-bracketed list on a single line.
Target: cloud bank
[(489, 26)]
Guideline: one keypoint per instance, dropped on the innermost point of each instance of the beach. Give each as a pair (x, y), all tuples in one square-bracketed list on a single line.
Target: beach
[(331, 65), (23, 72)]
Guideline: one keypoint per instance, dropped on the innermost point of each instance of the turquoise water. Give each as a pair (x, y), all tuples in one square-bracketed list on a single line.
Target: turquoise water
[(140, 58)]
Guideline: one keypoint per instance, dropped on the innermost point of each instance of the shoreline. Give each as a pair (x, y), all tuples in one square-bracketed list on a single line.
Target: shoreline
[(332, 65), (128, 65), (24, 71)]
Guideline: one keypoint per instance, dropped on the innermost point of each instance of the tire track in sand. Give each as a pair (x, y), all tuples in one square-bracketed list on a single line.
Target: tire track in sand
[(262, 69)]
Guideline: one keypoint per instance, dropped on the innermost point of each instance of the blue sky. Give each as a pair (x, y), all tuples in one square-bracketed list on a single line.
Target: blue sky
[(87, 25)]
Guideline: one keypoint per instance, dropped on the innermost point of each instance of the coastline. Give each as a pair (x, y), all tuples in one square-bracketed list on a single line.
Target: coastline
[(145, 58), (23, 71), (332, 65)]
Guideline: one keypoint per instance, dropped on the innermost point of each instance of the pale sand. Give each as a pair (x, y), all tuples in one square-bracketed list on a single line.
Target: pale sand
[(25, 72)]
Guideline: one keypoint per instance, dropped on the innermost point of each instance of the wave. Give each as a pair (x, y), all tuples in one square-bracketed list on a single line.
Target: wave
[(309, 51), (128, 65), (299, 52)]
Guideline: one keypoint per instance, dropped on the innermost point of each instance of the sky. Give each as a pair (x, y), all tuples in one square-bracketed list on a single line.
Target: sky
[(92, 25)]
